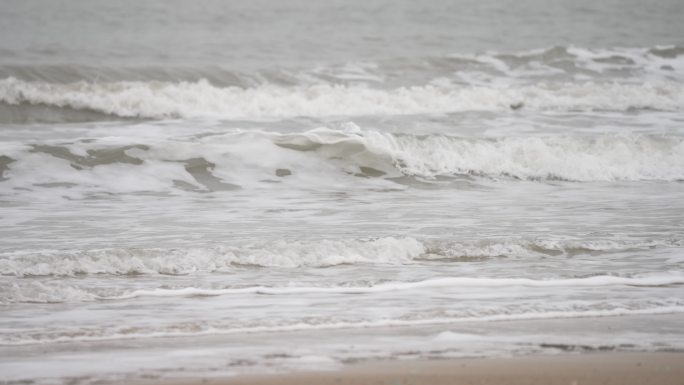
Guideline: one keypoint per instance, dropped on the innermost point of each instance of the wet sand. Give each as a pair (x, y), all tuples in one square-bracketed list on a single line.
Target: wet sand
[(567, 369)]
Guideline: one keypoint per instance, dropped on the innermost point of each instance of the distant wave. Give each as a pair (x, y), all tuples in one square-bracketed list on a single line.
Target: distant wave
[(202, 99), (560, 78), (555, 62)]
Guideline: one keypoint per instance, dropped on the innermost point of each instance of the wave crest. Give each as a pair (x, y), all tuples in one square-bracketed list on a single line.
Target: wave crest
[(573, 158), (229, 161), (201, 99)]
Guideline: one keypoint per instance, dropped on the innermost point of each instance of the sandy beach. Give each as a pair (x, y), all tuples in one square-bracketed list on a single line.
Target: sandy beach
[(566, 369)]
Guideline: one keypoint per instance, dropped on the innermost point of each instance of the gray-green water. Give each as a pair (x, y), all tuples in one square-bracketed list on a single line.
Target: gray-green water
[(230, 187)]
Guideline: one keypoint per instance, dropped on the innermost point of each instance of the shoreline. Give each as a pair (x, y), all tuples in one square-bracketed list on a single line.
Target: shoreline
[(613, 368)]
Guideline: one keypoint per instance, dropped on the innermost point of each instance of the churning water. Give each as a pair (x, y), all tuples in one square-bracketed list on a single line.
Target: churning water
[(231, 187)]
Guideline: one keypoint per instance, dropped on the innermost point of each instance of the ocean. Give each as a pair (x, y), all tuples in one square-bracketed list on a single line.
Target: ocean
[(211, 188)]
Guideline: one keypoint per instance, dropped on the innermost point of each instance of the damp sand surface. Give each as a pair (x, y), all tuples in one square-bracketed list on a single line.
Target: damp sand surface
[(582, 369)]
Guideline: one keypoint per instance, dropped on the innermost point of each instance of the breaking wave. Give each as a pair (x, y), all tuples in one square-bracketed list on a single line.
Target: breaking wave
[(597, 158), (202, 99), (235, 159)]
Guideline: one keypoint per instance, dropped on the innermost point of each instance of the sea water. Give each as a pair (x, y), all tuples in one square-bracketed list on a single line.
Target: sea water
[(215, 188)]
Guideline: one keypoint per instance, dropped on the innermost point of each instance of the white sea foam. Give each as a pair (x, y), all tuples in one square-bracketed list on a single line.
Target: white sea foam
[(521, 248), (606, 157), (289, 254), (39, 292), (325, 157), (200, 330), (202, 99), (596, 281), (185, 261)]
